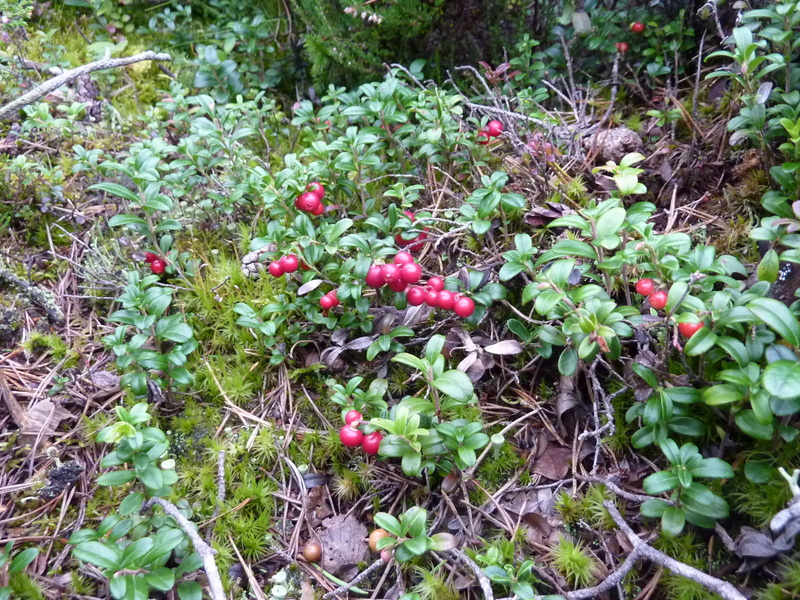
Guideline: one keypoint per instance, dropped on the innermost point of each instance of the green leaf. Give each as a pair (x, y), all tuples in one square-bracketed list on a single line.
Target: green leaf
[(116, 189), (22, 560), (568, 362), (122, 220), (102, 555), (782, 379), (161, 578), (673, 521), (414, 521), (116, 478), (174, 329), (698, 498), (131, 503), (610, 222), (715, 468), (443, 541), (455, 384), (654, 508), (660, 482), (389, 523), (190, 590), (749, 423), (701, 342), (724, 393), (417, 545), (768, 267), (778, 317)]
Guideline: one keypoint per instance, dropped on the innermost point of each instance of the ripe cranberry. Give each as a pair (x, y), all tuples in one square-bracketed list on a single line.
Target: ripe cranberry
[(332, 296), (411, 273), (415, 296), (350, 436), (637, 27), (315, 187), (289, 263), (446, 300), (689, 329), (308, 202), (327, 302), (403, 258), (371, 443), (464, 307), (374, 278), (658, 300), (158, 266), (431, 297), (645, 287), (483, 137), (494, 128), (149, 257), (622, 47), (437, 283), (319, 210), (418, 242), (275, 268), (390, 273), (353, 416), (398, 286)]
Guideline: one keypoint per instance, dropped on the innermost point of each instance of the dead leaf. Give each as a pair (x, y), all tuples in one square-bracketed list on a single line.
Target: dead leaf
[(360, 343), (105, 380), (505, 347), (306, 590), (43, 419), (554, 463), (541, 215), (309, 286), (343, 545)]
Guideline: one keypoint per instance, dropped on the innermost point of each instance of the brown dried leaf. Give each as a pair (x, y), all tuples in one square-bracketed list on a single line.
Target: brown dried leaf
[(43, 418), (360, 343), (343, 545), (105, 380), (505, 347), (554, 463)]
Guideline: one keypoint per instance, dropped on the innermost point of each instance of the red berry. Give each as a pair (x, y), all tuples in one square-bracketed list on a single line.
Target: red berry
[(411, 273), (315, 187), (371, 442), (332, 296), (403, 258), (374, 278), (494, 128), (289, 263), (431, 297), (390, 273), (645, 287), (398, 286), (658, 300), (327, 302), (483, 137), (418, 242), (637, 27), (308, 202), (319, 210), (464, 307), (446, 299), (437, 283), (350, 436), (352, 416), (410, 215), (415, 296), (386, 555), (158, 266), (150, 257), (275, 268), (689, 329), (622, 47)]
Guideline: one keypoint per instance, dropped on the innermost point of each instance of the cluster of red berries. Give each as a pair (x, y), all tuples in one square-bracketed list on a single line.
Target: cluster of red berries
[(658, 300), (404, 271), (492, 130), (417, 242), (157, 264), (310, 201), (352, 437), (285, 264), (637, 28), (329, 300)]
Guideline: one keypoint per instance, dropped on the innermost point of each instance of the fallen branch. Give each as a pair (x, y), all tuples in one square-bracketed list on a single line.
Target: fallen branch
[(35, 294), (483, 580), (358, 579), (53, 84), (205, 551)]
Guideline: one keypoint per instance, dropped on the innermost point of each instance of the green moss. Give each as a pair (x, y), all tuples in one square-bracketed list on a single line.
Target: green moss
[(499, 466), (39, 343)]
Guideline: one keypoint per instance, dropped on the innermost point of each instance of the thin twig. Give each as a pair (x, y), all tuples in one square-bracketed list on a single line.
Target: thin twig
[(53, 84), (220, 491), (358, 579), (205, 551), (483, 580)]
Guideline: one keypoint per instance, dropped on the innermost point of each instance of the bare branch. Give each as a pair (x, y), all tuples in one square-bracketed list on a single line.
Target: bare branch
[(205, 551), (53, 84)]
